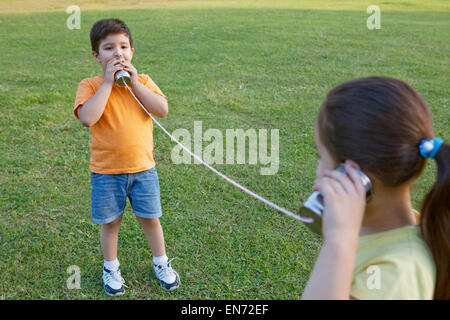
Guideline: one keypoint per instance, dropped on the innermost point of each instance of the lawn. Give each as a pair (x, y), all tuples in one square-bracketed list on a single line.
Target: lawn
[(230, 64)]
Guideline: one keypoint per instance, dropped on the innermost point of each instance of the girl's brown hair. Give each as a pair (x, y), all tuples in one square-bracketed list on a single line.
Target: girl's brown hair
[(379, 122)]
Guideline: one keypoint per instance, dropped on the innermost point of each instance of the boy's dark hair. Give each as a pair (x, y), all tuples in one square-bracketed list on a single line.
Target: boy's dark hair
[(101, 29), (379, 122)]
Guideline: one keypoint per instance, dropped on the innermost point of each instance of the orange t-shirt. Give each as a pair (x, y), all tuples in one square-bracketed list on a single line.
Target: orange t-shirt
[(122, 139)]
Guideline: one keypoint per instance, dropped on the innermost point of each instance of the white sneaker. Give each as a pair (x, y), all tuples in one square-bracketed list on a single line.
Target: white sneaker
[(113, 282), (168, 278)]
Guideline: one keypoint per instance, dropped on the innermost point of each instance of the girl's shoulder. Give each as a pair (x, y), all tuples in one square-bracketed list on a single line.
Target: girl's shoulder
[(402, 262)]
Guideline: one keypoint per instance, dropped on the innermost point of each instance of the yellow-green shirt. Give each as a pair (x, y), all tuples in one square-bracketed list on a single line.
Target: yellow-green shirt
[(395, 264)]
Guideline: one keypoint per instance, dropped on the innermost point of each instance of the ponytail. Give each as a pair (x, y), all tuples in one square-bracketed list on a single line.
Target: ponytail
[(393, 122), (435, 223)]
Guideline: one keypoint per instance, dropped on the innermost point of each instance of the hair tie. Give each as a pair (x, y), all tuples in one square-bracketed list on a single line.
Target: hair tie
[(429, 147)]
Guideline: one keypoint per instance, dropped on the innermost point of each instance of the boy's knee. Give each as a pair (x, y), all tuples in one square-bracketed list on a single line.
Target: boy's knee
[(148, 221), (114, 223)]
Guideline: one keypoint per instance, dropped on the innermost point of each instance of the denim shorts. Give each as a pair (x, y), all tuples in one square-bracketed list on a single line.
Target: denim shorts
[(110, 191)]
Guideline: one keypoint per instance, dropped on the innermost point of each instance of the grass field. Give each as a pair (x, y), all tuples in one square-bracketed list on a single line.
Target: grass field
[(229, 64)]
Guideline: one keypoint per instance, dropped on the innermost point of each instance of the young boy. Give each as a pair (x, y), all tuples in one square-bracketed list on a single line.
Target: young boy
[(122, 163)]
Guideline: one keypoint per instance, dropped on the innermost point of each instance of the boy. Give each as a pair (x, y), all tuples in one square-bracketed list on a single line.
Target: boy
[(122, 163)]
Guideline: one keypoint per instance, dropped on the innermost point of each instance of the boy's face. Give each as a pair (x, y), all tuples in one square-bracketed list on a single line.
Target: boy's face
[(113, 46)]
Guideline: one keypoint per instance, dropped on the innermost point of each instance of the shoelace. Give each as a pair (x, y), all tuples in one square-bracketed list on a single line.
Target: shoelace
[(166, 269), (115, 275)]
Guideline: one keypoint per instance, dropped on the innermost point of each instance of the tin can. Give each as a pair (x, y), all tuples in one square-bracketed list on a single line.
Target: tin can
[(122, 77), (313, 206)]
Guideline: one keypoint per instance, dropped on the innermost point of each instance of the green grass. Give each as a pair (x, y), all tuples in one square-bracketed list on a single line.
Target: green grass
[(262, 67)]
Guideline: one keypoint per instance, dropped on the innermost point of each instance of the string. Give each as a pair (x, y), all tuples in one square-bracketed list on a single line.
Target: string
[(234, 183)]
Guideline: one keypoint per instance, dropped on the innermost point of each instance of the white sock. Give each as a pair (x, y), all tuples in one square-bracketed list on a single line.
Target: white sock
[(111, 265), (162, 260)]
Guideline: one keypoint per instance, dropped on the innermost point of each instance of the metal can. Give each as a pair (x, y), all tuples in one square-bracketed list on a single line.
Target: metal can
[(122, 77), (313, 206)]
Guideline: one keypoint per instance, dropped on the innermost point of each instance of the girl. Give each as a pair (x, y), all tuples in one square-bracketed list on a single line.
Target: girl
[(382, 249)]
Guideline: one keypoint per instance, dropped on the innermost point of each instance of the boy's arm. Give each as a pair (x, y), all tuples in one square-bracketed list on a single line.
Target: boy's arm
[(91, 111), (153, 102)]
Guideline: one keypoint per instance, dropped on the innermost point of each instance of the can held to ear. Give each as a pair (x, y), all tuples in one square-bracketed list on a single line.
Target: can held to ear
[(313, 206), (122, 77)]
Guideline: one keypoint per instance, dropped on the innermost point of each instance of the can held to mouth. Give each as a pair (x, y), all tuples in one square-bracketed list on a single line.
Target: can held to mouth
[(122, 77), (313, 206)]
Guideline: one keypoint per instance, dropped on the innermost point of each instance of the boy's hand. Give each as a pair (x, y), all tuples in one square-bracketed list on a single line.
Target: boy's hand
[(112, 67), (127, 66), (344, 203)]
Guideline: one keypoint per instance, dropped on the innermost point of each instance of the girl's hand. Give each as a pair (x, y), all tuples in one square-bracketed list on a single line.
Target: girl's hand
[(127, 66), (344, 203)]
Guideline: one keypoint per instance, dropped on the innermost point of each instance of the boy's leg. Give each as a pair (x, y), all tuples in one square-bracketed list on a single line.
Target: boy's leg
[(108, 200), (113, 282), (109, 235), (145, 200), (169, 278), (154, 235)]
